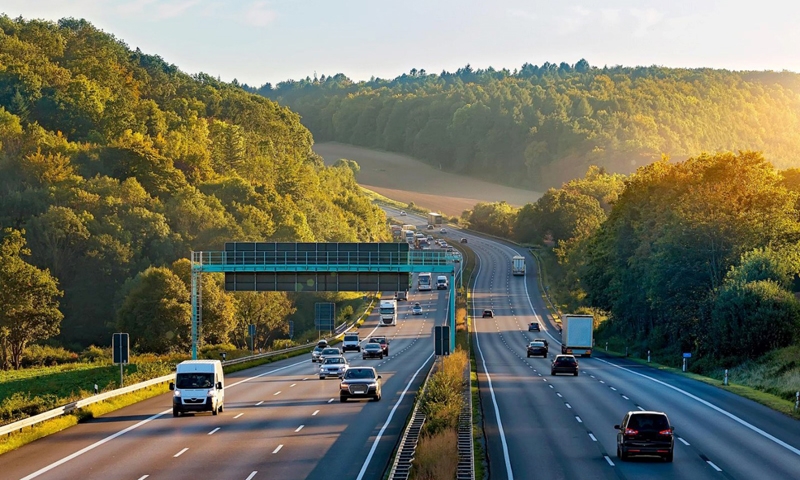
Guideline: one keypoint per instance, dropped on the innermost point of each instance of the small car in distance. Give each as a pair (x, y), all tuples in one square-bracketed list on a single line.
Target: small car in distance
[(536, 349), (402, 213), (416, 309), (564, 364), (463, 240), (333, 367), (645, 433), (430, 227), (488, 313), (383, 343), (316, 353), (372, 350), (329, 352), (533, 327), (360, 382), (442, 230)]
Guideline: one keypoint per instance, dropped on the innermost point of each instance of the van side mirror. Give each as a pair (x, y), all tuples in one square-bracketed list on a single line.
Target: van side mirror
[(219, 385), (172, 385), (616, 427), (379, 376)]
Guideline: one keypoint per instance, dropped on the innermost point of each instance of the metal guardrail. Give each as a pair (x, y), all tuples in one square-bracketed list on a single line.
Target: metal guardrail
[(465, 470), (70, 407), (401, 467)]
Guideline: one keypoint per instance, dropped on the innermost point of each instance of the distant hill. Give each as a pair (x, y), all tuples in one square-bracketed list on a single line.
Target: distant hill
[(539, 126)]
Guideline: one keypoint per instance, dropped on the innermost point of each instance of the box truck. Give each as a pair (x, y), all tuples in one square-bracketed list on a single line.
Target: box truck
[(577, 334), (518, 265)]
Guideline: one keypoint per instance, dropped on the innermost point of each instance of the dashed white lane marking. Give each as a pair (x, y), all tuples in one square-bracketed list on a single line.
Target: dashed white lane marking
[(143, 477), (299, 428), (683, 441), (713, 466), (568, 405), (559, 395), (259, 403), (602, 381), (292, 385), (608, 460), (640, 408), (180, 453), (578, 419), (249, 477), (592, 437), (276, 393), (278, 449), (612, 388), (305, 378), (315, 413), (329, 401), (212, 432), (237, 416), (626, 398)]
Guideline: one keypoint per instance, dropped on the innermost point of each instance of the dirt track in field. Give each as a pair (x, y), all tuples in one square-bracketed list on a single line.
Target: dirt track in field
[(406, 179)]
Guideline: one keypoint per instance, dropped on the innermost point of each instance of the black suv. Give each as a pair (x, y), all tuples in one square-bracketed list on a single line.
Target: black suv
[(536, 349), (382, 342), (645, 433), (564, 364)]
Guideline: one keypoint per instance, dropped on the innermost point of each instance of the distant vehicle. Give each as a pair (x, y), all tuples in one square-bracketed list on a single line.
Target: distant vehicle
[(402, 295), (577, 334), (322, 343), (645, 433), (543, 340), (424, 281), (316, 353), (402, 213), (333, 367), (198, 387), (442, 230), (416, 309), (351, 342), (488, 313), (434, 219), (564, 364), (408, 226), (430, 239), (329, 352), (382, 342), (533, 327), (441, 283), (372, 350), (463, 240), (456, 257), (430, 227), (537, 348), (518, 265), (388, 312), (360, 382)]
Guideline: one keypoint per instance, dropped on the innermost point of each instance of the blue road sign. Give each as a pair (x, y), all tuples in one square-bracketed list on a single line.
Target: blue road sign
[(687, 355)]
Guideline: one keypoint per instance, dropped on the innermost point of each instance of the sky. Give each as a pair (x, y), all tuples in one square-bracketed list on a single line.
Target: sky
[(260, 41)]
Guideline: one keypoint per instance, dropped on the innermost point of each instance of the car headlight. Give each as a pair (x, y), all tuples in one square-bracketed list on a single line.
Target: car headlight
[(212, 392), (373, 385), (343, 386), (176, 393)]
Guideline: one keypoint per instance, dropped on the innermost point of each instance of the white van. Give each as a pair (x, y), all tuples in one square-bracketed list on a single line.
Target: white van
[(198, 387), (441, 282)]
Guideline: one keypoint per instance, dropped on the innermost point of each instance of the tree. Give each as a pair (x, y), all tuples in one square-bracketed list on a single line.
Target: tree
[(156, 312), (268, 311), (28, 300), (219, 308)]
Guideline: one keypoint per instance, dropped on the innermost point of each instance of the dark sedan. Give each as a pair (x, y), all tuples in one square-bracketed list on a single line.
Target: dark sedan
[(382, 342), (372, 350), (543, 340), (536, 349), (360, 382), (564, 364), (645, 433), (533, 327)]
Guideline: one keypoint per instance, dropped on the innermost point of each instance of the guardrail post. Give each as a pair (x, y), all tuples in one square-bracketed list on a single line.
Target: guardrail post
[(606, 346), (725, 381), (797, 401), (684, 364), (648, 357)]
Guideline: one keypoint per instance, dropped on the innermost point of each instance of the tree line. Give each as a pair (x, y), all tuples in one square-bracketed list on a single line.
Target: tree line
[(114, 165), (695, 256), (539, 126)]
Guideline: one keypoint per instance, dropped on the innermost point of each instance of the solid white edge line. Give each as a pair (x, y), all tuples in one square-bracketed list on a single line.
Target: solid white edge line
[(278, 449), (713, 466), (509, 472), (250, 477), (389, 419), (212, 432), (713, 407), (180, 453)]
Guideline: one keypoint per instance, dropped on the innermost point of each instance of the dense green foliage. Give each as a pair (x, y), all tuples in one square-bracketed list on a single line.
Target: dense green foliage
[(699, 256), (540, 126), (117, 164)]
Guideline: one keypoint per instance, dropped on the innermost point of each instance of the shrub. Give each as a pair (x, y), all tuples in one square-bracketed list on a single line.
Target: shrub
[(436, 456), (443, 398), (95, 354), (43, 355), (282, 343)]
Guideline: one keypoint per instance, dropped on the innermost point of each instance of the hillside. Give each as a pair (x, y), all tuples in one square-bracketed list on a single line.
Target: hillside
[(113, 161), (540, 126)]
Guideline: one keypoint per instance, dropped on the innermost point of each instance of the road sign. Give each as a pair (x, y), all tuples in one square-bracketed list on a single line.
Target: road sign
[(251, 330), (120, 347), (687, 355), (291, 329), (441, 340), (324, 316)]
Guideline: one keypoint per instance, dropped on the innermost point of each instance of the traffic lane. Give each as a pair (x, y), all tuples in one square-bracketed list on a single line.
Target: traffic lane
[(729, 444), (542, 435), (602, 406)]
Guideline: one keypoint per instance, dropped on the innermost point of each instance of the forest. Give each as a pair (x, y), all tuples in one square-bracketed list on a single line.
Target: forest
[(540, 126), (698, 256), (115, 165)]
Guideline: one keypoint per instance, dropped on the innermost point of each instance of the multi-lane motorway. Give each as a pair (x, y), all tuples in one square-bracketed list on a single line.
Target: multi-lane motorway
[(280, 421)]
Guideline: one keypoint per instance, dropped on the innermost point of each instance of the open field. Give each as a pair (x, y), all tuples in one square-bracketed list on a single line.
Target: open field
[(406, 179)]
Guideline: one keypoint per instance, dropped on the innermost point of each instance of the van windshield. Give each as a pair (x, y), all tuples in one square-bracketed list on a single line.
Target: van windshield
[(195, 380)]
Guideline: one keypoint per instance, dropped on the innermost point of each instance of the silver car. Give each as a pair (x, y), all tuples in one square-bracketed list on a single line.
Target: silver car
[(316, 353), (329, 352), (333, 367)]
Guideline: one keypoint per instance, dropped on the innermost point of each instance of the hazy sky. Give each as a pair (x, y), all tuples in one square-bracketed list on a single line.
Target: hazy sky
[(258, 41)]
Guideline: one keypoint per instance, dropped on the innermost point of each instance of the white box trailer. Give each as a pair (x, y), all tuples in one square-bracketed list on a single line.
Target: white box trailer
[(518, 265), (577, 334)]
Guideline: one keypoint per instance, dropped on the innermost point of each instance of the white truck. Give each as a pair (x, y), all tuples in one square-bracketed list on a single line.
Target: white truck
[(388, 309), (198, 387), (577, 335), (518, 265)]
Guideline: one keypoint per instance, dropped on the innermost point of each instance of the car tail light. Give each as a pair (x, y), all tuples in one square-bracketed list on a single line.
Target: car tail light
[(665, 432), (630, 431)]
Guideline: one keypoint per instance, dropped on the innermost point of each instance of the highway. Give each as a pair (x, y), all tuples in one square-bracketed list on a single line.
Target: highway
[(280, 421)]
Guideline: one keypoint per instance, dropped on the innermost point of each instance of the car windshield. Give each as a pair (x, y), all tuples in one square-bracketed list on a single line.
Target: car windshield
[(334, 360), (487, 311), (355, 373), (645, 421), (331, 351), (194, 380), (372, 346), (351, 338), (537, 344)]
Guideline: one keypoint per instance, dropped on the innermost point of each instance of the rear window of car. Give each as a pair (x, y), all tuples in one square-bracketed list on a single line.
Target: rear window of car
[(565, 360), (537, 344), (372, 346), (378, 340), (331, 351), (647, 421)]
